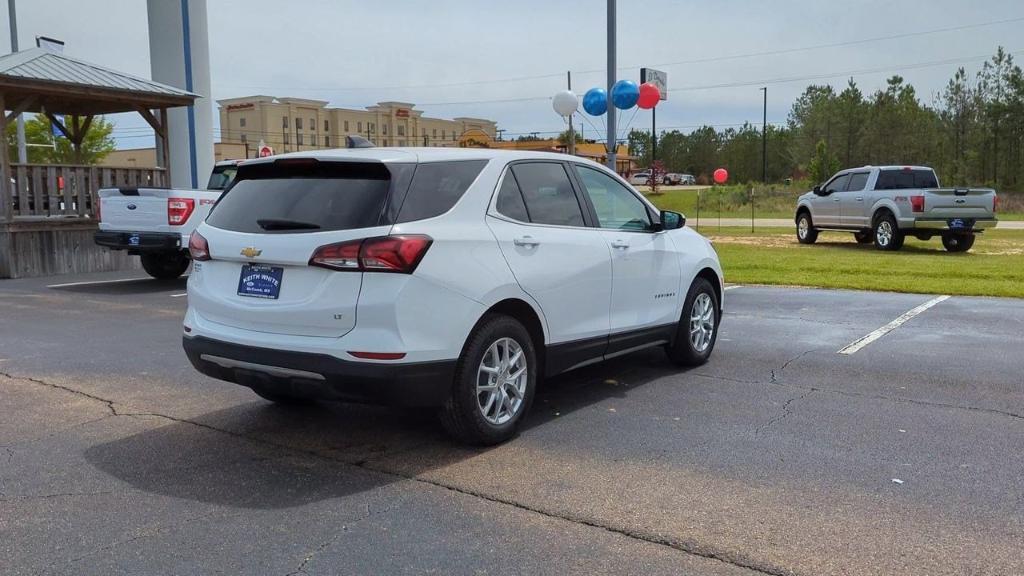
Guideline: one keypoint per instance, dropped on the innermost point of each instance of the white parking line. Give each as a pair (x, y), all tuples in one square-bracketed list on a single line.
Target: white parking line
[(862, 342), (733, 287), (94, 282), (179, 295)]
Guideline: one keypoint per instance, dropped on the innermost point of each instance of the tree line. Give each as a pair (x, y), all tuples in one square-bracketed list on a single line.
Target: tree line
[(971, 132)]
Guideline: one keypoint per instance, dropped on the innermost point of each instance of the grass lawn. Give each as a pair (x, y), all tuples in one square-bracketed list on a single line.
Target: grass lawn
[(994, 267)]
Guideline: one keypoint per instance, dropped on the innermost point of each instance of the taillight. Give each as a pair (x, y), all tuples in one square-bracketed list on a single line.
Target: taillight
[(399, 254), (917, 203), (995, 203), (197, 247), (379, 355), (97, 206), (179, 210)]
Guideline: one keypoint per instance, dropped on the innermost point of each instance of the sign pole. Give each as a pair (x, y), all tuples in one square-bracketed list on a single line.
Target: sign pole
[(611, 82), (572, 133)]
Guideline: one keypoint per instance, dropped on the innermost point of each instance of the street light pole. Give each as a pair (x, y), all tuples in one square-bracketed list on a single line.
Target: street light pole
[(13, 19), (764, 137), (611, 82)]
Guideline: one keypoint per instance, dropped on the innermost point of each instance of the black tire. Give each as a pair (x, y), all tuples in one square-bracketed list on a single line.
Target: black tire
[(283, 399), (165, 265), (682, 350), (886, 233), (957, 242), (806, 233), (864, 237), (462, 415)]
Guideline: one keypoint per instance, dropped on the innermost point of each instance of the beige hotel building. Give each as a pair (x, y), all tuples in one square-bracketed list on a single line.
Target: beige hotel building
[(294, 124)]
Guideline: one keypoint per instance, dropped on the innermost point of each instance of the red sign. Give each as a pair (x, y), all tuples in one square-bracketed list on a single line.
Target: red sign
[(402, 113), (265, 151)]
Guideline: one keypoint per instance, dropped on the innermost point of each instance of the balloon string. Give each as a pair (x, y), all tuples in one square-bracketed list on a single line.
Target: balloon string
[(596, 129), (630, 123)]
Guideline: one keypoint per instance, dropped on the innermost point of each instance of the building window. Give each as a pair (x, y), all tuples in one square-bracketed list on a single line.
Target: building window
[(435, 132), (346, 126), (286, 139), (370, 126), (243, 139), (443, 137), (401, 142), (298, 137), (453, 136), (387, 142), (327, 141), (401, 130), (298, 125), (327, 127), (241, 122), (384, 128), (284, 122), (312, 124)]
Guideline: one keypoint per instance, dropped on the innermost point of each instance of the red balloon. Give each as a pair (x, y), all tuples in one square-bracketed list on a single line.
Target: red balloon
[(721, 175), (649, 96)]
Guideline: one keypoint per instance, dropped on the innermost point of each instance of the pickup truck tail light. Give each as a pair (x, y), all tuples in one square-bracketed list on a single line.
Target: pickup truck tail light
[(995, 204), (917, 203), (198, 248), (179, 210), (399, 254)]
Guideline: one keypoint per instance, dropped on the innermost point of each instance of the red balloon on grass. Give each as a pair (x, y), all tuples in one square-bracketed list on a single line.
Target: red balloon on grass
[(721, 176), (649, 96)]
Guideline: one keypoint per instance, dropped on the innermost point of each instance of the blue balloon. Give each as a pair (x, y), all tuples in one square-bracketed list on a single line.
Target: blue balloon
[(625, 93), (595, 101)]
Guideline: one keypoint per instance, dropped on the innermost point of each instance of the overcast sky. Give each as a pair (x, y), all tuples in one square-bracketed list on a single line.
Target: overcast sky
[(355, 53)]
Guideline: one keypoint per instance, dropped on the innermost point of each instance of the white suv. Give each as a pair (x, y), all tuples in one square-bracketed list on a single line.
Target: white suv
[(450, 278)]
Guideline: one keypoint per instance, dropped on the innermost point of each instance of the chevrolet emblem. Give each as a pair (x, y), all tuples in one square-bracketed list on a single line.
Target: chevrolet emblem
[(250, 252)]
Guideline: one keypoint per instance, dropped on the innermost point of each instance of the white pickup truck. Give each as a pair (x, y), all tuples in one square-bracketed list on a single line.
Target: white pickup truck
[(155, 223), (884, 204)]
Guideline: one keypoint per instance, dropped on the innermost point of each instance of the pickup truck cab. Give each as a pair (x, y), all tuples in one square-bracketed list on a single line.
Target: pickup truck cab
[(155, 223), (883, 204)]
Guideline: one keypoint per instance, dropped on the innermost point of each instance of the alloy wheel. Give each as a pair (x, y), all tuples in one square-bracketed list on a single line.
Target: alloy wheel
[(501, 381), (702, 322)]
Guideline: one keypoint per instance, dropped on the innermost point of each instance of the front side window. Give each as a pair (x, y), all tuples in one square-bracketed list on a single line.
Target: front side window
[(837, 184), (548, 193), (617, 208)]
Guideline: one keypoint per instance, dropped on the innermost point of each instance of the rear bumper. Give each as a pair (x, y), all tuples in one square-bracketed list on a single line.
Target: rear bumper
[(943, 224), (148, 241), (321, 376)]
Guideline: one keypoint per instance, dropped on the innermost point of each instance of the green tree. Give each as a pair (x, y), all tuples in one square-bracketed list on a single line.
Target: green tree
[(50, 149), (824, 163), (563, 138), (640, 146)]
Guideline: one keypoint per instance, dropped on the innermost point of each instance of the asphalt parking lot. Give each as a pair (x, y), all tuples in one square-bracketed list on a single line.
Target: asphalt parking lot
[(780, 456)]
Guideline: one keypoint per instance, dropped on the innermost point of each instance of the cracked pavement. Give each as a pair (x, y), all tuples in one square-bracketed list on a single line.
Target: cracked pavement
[(775, 458)]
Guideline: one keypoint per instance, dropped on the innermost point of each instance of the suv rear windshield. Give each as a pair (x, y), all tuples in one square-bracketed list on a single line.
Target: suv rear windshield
[(904, 179), (314, 197)]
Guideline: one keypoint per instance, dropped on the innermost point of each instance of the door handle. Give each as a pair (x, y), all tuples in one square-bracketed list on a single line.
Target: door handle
[(620, 244), (836, 199), (860, 198), (526, 241)]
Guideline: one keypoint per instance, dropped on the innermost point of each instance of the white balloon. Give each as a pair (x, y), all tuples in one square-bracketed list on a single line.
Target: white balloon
[(565, 103)]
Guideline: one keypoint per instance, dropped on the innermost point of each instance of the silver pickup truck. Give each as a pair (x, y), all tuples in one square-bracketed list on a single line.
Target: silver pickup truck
[(884, 204)]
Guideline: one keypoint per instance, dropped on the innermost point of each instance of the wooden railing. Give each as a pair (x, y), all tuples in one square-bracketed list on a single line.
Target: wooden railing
[(48, 190)]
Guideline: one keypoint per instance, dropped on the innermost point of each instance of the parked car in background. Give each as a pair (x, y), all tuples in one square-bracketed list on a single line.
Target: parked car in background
[(440, 277), (641, 178), (675, 178), (883, 204), (687, 179)]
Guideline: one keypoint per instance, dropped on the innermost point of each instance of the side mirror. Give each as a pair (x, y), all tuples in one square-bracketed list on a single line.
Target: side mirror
[(818, 191), (672, 220)]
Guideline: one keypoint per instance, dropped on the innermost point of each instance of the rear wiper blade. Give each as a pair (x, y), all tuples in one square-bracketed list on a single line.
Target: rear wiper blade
[(276, 224)]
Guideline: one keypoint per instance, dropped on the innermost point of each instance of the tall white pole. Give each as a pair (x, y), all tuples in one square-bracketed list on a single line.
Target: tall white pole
[(611, 82), (13, 19)]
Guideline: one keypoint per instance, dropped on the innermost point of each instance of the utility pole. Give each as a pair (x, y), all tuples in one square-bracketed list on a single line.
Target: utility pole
[(764, 137), (13, 19), (611, 82), (572, 133)]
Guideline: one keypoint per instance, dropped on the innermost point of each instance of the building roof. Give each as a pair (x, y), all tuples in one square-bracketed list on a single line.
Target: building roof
[(65, 85)]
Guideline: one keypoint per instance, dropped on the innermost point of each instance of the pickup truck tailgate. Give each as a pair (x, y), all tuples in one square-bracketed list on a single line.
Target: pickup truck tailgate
[(134, 208), (959, 203)]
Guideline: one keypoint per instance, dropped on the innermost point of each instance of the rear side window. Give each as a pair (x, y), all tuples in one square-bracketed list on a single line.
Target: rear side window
[(436, 187), (510, 200), (309, 198), (548, 193), (857, 181), (904, 179)]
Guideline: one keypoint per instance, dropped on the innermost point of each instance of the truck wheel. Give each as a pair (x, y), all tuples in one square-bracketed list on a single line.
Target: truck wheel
[(494, 384), (957, 242), (806, 233), (698, 327), (165, 265), (887, 233), (863, 237)]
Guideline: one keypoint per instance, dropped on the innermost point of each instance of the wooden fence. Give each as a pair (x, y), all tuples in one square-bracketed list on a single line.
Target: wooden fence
[(46, 190)]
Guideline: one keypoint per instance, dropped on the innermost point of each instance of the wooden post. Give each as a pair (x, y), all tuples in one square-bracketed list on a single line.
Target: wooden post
[(5, 167)]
